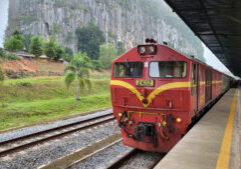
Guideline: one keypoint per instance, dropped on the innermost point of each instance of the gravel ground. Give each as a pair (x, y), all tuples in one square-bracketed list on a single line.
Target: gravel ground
[(33, 129), (103, 158), (141, 160), (47, 152)]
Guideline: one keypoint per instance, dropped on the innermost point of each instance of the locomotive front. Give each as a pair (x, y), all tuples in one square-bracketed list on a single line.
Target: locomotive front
[(150, 93)]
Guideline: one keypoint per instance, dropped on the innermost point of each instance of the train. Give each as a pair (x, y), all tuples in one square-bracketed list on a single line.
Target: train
[(157, 93)]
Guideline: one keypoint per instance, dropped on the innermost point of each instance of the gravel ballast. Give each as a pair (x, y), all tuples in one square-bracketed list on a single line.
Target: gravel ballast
[(47, 152), (103, 158), (142, 160)]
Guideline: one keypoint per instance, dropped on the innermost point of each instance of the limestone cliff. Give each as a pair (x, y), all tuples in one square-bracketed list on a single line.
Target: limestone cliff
[(128, 21)]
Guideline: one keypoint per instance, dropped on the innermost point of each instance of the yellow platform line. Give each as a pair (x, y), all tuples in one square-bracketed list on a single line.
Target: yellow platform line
[(224, 154)]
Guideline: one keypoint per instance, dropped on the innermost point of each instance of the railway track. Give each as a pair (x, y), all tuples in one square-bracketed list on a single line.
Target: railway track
[(91, 157), (80, 156), (92, 154), (137, 159), (20, 143)]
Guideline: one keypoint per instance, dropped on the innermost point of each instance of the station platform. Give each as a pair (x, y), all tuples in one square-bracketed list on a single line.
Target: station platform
[(214, 142)]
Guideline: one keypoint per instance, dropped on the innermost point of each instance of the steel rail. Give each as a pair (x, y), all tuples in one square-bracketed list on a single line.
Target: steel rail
[(122, 161), (119, 162), (54, 136), (51, 130)]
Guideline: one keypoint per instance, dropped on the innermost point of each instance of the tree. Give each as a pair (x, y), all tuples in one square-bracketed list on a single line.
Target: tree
[(36, 46), (18, 35), (120, 48), (107, 55), (15, 42), (97, 65), (27, 41), (79, 68), (69, 54), (60, 53), (53, 50), (89, 40), (50, 47)]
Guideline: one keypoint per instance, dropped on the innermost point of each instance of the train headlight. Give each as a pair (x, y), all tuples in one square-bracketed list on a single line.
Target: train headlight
[(179, 120), (142, 50), (152, 50), (147, 49)]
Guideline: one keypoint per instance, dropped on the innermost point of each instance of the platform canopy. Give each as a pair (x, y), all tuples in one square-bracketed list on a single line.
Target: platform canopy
[(218, 24)]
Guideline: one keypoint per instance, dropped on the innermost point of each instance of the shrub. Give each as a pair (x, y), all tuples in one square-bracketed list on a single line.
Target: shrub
[(13, 57), (24, 84), (13, 44), (36, 46), (69, 54), (50, 48), (107, 55), (2, 74), (53, 50), (97, 65), (4, 55)]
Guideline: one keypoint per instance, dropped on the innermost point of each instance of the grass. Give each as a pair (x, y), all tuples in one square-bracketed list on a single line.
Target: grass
[(34, 100), (20, 114), (34, 80), (93, 76), (26, 90)]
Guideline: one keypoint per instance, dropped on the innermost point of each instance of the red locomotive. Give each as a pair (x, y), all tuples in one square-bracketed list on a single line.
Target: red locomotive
[(157, 93)]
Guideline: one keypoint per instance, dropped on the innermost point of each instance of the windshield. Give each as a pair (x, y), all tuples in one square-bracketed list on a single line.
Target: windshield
[(128, 69), (164, 69)]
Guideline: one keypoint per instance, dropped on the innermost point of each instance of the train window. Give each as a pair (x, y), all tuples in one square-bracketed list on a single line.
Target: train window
[(168, 69), (128, 69)]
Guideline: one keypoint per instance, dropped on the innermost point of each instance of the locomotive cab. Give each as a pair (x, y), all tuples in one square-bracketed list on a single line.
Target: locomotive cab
[(150, 93)]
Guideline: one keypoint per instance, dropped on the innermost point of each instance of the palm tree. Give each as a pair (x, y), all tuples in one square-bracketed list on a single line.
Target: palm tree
[(79, 68)]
